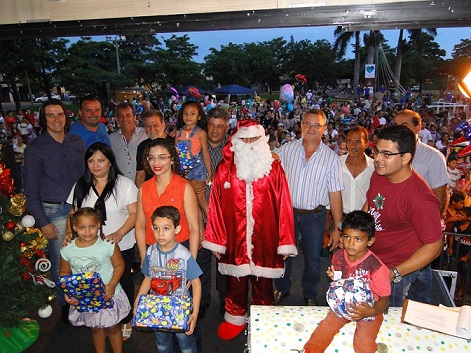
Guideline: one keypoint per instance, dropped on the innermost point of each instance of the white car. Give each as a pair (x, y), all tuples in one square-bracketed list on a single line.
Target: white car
[(44, 98)]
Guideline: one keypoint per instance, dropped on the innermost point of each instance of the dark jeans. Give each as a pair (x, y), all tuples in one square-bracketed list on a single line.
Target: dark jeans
[(205, 258), (126, 280), (164, 342), (415, 286), (57, 214), (197, 332), (310, 227)]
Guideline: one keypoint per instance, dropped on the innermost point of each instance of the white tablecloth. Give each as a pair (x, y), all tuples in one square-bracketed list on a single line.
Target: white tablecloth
[(285, 329)]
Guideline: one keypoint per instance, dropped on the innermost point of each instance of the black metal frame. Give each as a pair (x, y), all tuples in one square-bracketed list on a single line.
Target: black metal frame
[(444, 261)]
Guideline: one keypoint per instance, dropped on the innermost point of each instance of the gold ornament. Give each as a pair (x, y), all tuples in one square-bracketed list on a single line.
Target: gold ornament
[(36, 243), (50, 298), (20, 228), (7, 235), (17, 205)]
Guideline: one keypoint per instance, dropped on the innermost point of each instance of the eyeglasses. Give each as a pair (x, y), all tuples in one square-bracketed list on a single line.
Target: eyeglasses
[(386, 154), (316, 126), (161, 158)]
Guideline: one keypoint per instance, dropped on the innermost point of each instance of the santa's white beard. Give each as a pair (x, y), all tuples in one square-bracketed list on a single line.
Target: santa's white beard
[(253, 160)]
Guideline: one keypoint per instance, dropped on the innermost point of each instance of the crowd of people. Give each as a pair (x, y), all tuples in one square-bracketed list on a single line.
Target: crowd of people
[(252, 184)]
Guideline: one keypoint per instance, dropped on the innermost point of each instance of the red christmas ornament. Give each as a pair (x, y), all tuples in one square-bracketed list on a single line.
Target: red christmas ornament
[(22, 244), (10, 225)]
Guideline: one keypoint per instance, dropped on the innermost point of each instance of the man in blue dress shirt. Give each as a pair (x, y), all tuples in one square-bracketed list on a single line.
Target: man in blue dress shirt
[(54, 161)]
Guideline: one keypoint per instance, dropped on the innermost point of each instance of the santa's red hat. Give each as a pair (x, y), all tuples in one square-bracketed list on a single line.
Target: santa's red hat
[(247, 129)]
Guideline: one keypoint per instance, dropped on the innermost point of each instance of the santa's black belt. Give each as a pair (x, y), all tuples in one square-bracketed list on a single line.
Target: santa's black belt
[(316, 210)]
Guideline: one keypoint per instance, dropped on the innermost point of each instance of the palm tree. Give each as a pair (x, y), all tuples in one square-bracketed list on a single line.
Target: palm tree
[(372, 41), (342, 39), (400, 47)]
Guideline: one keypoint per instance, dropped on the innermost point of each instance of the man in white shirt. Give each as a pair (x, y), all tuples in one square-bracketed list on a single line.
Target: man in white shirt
[(424, 135), (428, 161), (357, 169), (125, 141)]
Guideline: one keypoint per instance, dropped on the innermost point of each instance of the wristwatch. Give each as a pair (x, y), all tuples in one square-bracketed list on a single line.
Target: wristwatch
[(397, 275)]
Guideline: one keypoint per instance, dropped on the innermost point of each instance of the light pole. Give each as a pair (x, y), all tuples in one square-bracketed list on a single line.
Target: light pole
[(116, 40)]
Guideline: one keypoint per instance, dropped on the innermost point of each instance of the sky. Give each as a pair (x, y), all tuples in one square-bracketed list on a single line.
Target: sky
[(447, 38)]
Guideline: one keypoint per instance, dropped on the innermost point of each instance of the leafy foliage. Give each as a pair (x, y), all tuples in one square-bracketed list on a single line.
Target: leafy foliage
[(146, 60), (421, 58)]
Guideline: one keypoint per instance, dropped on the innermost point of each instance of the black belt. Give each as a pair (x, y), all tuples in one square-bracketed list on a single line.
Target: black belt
[(55, 203), (316, 210)]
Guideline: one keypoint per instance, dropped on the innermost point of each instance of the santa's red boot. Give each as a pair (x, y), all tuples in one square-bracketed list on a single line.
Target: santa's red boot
[(228, 331)]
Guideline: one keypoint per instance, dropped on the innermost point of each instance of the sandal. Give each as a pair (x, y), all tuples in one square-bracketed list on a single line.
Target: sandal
[(126, 330)]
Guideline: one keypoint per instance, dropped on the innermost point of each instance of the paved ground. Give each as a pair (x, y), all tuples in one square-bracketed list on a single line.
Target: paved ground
[(57, 337)]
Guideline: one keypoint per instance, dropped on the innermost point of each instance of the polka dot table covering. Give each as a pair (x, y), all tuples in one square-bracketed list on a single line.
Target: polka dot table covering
[(285, 329)]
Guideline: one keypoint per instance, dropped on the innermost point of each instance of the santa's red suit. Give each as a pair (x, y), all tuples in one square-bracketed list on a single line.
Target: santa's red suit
[(250, 223)]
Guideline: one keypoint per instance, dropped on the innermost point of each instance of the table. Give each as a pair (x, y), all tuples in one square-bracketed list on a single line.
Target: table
[(285, 329)]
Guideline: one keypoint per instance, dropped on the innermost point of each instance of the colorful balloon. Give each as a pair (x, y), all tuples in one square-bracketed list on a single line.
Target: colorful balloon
[(300, 78), (276, 104), (177, 95), (194, 92), (286, 93)]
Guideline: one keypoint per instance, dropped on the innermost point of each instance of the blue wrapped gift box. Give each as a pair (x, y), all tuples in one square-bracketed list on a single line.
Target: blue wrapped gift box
[(163, 313), (88, 288)]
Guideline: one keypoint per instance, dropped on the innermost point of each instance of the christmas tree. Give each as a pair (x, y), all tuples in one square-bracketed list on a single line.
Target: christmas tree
[(24, 266)]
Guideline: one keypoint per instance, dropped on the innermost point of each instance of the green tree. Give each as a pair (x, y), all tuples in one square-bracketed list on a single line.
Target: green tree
[(400, 48), (14, 55), (461, 58), (89, 65), (262, 64), (41, 60), (141, 57), (177, 62), (317, 61), (45, 62), (226, 65), (422, 58), (342, 39), (20, 249)]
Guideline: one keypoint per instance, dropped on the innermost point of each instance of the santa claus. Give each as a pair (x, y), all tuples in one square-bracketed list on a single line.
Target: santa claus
[(250, 226)]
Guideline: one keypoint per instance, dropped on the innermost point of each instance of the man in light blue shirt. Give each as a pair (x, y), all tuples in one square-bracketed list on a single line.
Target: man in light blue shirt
[(89, 127), (315, 181)]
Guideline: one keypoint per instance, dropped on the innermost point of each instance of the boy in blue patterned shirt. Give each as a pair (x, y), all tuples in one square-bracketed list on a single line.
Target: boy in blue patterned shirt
[(166, 267)]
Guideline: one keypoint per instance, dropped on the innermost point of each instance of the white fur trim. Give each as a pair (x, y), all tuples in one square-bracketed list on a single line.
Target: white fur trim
[(227, 185), (213, 247), (250, 220), (287, 250), (249, 132), (250, 270), (235, 320)]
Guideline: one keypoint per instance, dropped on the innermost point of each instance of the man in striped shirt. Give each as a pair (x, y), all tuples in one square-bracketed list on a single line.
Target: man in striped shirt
[(315, 181), (218, 127)]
